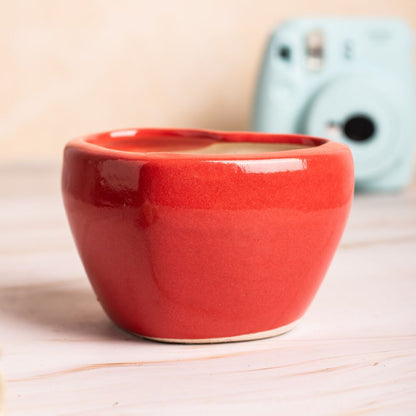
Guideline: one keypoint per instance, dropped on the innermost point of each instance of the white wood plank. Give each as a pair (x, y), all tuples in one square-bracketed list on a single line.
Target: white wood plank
[(354, 352)]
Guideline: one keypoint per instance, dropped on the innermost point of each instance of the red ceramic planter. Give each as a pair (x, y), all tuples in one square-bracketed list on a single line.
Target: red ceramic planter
[(202, 236)]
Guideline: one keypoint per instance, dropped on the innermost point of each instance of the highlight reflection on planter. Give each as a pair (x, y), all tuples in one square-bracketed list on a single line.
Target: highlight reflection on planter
[(203, 236)]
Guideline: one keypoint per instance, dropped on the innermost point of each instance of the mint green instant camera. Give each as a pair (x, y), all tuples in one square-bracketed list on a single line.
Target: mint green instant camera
[(350, 80)]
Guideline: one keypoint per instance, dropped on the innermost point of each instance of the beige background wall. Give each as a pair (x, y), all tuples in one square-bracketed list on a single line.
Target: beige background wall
[(72, 67)]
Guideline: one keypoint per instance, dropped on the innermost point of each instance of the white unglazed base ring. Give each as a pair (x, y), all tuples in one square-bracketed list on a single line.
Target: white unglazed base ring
[(245, 337)]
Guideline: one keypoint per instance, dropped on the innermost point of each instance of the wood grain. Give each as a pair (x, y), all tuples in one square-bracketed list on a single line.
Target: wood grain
[(354, 352)]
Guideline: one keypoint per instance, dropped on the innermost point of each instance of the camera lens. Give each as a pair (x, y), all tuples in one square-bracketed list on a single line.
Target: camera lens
[(359, 128)]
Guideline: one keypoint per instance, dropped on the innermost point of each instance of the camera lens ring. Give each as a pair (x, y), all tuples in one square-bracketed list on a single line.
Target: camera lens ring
[(359, 128), (344, 97)]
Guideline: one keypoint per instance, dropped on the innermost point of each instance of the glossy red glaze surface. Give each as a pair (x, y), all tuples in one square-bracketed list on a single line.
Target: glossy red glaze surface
[(184, 246)]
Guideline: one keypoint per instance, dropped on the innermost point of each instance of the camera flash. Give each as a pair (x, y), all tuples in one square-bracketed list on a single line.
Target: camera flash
[(314, 50)]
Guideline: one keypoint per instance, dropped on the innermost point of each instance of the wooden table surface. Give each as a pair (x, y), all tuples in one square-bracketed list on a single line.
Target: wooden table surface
[(354, 352)]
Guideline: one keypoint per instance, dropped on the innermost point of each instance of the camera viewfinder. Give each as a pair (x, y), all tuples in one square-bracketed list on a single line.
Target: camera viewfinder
[(284, 52)]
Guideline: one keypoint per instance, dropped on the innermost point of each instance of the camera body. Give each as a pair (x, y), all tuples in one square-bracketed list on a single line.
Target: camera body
[(350, 80)]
